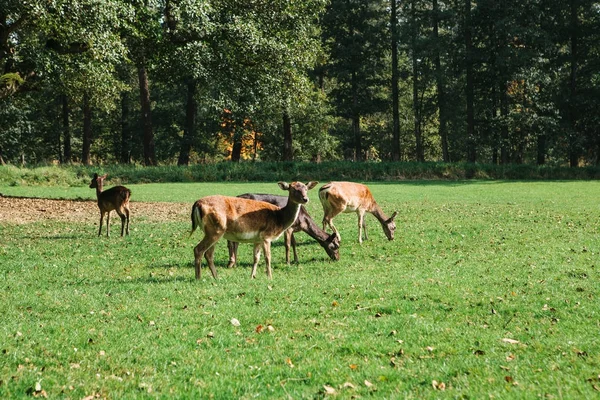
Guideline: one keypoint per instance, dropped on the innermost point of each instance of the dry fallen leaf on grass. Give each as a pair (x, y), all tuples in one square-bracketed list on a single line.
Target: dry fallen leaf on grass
[(235, 322), (329, 390), (289, 362), (510, 341), (39, 392)]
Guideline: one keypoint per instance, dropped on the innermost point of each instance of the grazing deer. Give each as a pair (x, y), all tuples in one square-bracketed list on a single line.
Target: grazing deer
[(246, 221), (304, 223), (116, 198), (338, 197)]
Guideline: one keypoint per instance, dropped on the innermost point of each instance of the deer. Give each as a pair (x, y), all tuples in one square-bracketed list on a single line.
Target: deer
[(304, 223), (347, 197), (116, 198), (247, 221)]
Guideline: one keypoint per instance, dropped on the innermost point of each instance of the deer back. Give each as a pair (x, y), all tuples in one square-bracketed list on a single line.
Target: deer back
[(114, 198), (238, 219), (347, 196)]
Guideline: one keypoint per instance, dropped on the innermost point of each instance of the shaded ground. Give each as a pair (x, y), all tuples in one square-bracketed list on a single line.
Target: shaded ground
[(25, 210)]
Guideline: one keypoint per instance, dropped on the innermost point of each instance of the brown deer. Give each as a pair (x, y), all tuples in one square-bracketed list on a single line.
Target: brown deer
[(116, 198), (347, 197), (304, 223), (246, 221)]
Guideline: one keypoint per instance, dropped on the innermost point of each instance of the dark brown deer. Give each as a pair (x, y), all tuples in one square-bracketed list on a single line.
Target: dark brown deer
[(246, 221), (304, 223), (116, 198), (347, 197)]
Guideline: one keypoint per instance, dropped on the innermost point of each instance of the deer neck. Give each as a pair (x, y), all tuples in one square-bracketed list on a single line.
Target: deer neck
[(289, 213), (312, 229), (98, 190), (378, 213)]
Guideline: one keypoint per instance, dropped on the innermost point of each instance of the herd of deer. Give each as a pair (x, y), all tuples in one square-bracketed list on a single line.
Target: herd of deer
[(260, 218)]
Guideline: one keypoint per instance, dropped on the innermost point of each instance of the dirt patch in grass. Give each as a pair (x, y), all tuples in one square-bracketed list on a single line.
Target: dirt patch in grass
[(18, 210)]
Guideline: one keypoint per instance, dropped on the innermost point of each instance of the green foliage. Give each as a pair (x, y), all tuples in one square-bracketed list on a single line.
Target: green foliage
[(75, 175), (325, 64), (490, 289)]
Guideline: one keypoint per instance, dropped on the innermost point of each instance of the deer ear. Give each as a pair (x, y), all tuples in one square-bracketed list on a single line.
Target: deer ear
[(284, 185), (95, 176), (105, 175), (393, 215), (311, 184)]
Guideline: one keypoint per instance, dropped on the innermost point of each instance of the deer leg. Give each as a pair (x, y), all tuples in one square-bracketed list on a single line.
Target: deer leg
[(108, 224), (209, 255), (127, 215), (288, 236), (267, 250), (199, 251), (293, 241), (333, 228), (256, 259), (101, 222), (123, 218), (232, 247), (361, 226)]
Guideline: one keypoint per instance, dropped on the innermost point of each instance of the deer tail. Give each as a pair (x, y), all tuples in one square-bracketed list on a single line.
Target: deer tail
[(125, 195), (324, 192), (196, 217)]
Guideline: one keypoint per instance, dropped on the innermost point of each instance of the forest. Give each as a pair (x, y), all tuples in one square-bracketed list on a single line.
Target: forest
[(181, 82)]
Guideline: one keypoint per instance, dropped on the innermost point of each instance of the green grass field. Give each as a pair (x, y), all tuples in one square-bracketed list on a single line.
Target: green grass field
[(490, 290)]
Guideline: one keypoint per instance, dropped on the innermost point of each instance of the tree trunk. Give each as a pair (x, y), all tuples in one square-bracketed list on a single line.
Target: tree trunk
[(236, 150), (126, 136), (190, 124), (395, 95), (358, 151), (148, 136), (415, 70), (67, 152), (541, 149), (439, 81), (87, 130), (504, 139), (494, 117), (573, 137), (469, 90), (288, 151)]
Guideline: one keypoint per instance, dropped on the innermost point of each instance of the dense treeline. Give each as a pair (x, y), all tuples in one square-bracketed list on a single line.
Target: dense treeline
[(186, 81)]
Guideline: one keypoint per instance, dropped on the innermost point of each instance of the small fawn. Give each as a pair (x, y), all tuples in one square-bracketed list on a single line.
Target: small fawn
[(116, 198)]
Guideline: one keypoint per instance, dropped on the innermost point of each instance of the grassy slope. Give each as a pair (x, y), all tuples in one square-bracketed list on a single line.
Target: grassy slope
[(473, 263)]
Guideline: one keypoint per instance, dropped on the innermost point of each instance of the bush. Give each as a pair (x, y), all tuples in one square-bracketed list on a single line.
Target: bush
[(78, 175)]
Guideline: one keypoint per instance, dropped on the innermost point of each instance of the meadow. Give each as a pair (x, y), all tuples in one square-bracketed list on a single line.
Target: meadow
[(490, 290)]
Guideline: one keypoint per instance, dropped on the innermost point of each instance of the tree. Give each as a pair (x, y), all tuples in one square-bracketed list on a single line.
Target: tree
[(395, 95), (354, 34)]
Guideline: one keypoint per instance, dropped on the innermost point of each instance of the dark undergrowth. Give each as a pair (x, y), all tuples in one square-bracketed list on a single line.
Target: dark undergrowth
[(78, 175)]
